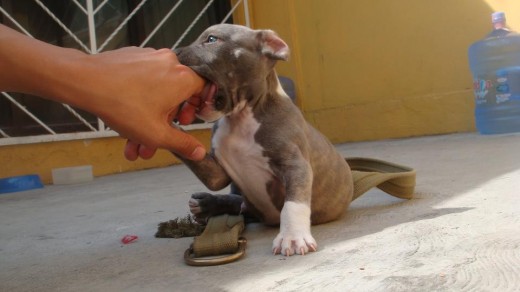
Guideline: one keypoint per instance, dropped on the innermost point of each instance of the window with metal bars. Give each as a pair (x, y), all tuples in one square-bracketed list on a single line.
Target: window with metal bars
[(118, 23)]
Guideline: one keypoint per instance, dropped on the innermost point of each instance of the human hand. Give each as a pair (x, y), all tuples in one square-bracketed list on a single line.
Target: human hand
[(185, 116), (136, 91), (143, 91)]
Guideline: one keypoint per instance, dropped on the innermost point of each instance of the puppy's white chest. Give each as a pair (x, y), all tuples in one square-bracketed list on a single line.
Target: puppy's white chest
[(243, 159), (237, 151)]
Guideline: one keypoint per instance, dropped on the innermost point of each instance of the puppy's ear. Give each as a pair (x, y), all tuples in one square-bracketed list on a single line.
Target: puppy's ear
[(273, 46)]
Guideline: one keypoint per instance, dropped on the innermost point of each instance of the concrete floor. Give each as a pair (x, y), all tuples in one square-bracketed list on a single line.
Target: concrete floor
[(460, 233)]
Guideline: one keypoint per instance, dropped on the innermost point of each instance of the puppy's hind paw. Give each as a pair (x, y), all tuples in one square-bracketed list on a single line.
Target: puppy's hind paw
[(201, 206), (194, 206), (205, 205)]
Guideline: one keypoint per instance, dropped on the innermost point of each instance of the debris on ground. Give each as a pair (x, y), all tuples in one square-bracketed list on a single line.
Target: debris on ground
[(179, 227)]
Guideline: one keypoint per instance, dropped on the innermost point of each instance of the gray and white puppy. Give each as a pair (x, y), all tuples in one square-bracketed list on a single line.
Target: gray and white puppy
[(282, 170)]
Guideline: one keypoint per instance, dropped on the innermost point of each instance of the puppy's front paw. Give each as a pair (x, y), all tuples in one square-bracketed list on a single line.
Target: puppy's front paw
[(289, 244), (295, 230)]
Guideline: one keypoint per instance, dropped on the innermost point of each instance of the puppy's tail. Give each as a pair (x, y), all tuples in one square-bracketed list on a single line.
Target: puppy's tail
[(394, 179)]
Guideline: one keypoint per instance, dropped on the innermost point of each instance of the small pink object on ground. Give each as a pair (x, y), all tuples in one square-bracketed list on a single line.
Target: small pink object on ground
[(129, 239)]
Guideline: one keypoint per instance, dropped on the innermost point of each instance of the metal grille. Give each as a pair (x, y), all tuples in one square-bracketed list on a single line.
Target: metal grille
[(83, 31)]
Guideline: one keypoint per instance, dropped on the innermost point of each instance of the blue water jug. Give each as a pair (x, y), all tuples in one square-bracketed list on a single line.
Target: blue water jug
[(495, 65)]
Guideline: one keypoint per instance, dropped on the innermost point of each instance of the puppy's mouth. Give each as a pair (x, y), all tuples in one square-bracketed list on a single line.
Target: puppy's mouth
[(211, 102), (212, 97)]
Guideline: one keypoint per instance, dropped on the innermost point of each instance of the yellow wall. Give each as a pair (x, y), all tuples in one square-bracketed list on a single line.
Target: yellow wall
[(364, 70), (382, 69), (105, 155)]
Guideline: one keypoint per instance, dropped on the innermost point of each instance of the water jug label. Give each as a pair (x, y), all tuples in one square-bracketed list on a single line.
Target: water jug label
[(501, 98), (481, 88), (503, 88)]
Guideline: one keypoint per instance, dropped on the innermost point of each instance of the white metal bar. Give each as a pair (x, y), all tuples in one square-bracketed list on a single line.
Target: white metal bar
[(161, 23), (201, 126), (246, 13), (21, 107), (110, 37), (231, 11), (62, 25), (78, 136), (80, 6), (79, 117), (91, 27), (56, 137), (101, 125), (100, 6), (93, 42), (192, 24), (15, 22), (4, 134)]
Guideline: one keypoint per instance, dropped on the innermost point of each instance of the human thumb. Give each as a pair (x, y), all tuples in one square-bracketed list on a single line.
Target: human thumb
[(184, 145)]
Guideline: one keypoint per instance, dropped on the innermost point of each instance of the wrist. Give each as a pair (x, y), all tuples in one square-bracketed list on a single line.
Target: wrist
[(73, 80), (66, 77), (78, 81)]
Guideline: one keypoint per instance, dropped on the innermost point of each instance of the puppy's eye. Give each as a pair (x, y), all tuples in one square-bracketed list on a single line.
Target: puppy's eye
[(212, 39)]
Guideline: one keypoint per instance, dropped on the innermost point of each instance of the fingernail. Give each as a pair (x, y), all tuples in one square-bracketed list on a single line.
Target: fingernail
[(198, 153)]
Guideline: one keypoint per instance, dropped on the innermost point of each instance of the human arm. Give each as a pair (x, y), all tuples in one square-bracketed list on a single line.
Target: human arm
[(136, 91)]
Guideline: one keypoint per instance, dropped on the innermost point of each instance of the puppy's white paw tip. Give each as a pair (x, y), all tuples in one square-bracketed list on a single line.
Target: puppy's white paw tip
[(193, 203), (289, 245)]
